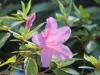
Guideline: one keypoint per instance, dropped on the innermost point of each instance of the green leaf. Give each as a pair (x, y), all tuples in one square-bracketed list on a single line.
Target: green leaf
[(91, 46), (86, 57), (41, 7), (62, 9), (21, 14), (71, 71), (8, 9), (58, 71), (16, 23), (84, 13), (76, 9), (23, 6), (16, 35), (98, 1), (8, 18), (64, 62), (92, 60), (86, 67), (10, 60), (30, 66), (90, 27), (28, 7), (4, 39)]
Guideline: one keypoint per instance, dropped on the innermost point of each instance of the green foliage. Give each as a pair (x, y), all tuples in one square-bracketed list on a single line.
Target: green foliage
[(85, 37), (98, 1), (93, 61), (59, 72), (3, 39), (10, 60), (30, 66), (41, 7)]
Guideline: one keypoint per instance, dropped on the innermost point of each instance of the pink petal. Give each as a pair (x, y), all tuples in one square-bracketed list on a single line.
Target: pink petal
[(63, 52), (46, 56), (39, 39), (61, 35), (51, 25), (30, 20)]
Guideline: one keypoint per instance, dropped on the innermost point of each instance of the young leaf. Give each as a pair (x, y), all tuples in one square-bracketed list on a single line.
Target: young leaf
[(62, 9), (23, 6), (28, 7)]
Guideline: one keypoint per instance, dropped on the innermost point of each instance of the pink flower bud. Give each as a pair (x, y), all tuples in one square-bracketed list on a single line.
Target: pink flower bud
[(30, 21)]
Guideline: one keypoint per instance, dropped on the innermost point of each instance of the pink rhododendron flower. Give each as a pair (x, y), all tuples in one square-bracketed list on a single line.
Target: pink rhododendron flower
[(30, 21), (51, 41)]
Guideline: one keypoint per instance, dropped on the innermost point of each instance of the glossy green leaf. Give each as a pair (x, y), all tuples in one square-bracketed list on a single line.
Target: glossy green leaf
[(4, 39), (64, 63), (71, 71), (86, 67), (58, 71), (30, 66), (91, 46)]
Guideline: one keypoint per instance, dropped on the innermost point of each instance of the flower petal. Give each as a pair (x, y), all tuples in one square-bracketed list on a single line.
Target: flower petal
[(63, 52), (61, 35), (38, 39), (46, 56), (51, 25)]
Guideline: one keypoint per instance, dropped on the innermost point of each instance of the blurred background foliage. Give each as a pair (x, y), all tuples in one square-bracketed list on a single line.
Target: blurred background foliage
[(83, 16)]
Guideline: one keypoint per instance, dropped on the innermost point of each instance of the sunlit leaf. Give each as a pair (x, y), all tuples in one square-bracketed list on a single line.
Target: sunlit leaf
[(10, 60), (92, 60)]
